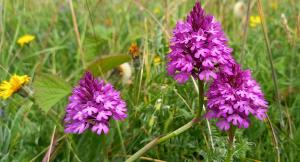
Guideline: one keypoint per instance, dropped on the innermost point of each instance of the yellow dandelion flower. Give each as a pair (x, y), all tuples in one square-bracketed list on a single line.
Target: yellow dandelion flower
[(25, 39), (254, 21), (8, 88), (156, 60), (134, 50)]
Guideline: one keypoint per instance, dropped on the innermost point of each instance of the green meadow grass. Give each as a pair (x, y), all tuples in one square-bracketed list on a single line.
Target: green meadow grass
[(156, 103)]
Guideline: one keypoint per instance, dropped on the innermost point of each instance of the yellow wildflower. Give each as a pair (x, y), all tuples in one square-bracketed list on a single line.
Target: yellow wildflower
[(156, 10), (25, 39), (254, 21), (134, 50), (156, 60), (274, 5), (8, 88)]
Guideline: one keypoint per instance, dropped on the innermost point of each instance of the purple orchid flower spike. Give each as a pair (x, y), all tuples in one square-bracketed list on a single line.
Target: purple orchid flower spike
[(198, 48), (233, 98), (92, 104)]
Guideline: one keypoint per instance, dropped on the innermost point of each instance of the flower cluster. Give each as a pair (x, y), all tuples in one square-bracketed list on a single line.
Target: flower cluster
[(16, 82), (92, 104), (198, 48), (232, 98)]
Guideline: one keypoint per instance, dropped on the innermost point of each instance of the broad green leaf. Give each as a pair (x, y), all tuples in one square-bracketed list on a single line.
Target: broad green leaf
[(49, 89), (106, 63)]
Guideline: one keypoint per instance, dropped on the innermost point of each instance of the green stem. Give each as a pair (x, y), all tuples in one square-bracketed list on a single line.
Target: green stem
[(274, 138), (121, 138), (104, 151), (201, 98), (230, 145), (159, 140), (274, 77), (201, 108)]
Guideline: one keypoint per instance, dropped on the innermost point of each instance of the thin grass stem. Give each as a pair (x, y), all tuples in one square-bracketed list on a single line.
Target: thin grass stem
[(274, 78), (269, 51), (75, 24), (245, 31), (274, 139), (48, 154), (121, 137)]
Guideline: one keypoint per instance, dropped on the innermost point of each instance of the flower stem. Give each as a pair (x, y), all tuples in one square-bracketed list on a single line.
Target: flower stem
[(201, 98), (159, 140), (230, 144)]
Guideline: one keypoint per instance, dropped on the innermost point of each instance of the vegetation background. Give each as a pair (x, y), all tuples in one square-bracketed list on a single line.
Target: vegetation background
[(156, 103)]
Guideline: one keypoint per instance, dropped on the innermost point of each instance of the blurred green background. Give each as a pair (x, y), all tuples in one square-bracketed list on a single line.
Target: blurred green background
[(156, 103)]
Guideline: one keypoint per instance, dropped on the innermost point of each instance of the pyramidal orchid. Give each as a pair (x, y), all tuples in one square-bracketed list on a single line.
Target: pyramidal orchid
[(233, 98), (92, 105), (198, 48)]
